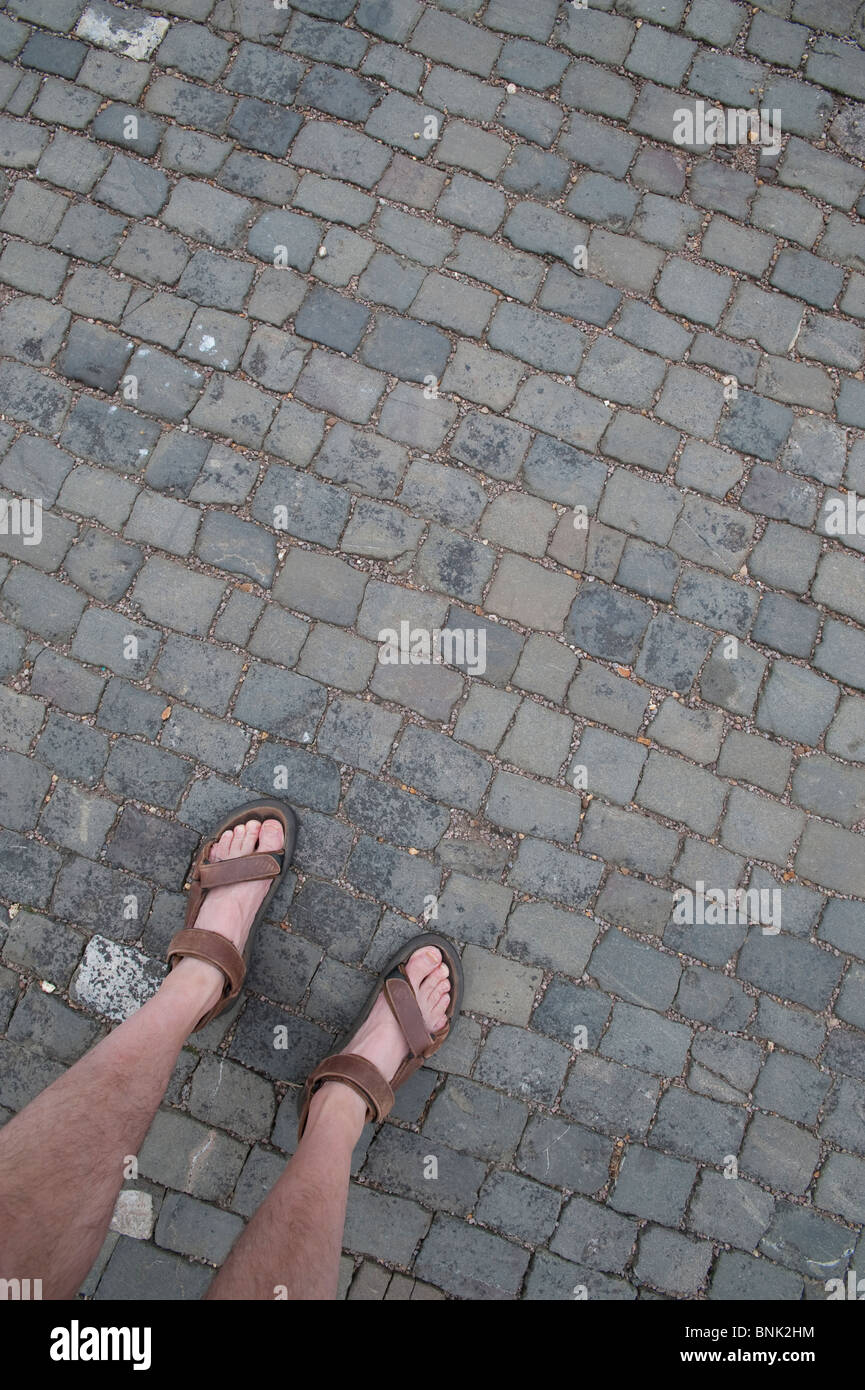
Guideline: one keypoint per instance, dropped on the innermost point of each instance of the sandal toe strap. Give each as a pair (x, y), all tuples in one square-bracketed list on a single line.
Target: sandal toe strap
[(402, 1000), (243, 869)]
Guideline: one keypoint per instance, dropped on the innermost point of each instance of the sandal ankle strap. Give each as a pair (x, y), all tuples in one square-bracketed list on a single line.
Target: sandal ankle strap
[(354, 1071), (216, 950)]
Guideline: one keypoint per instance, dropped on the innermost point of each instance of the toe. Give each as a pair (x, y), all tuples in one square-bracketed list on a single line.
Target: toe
[(222, 848), (252, 832), (271, 836), (440, 994), (245, 838), (432, 981), (439, 1019), (421, 964)]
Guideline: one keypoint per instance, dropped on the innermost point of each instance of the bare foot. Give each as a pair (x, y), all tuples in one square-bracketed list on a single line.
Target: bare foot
[(380, 1039), (229, 911)]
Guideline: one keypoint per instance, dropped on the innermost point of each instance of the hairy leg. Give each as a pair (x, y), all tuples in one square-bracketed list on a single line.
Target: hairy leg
[(291, 1247), (62, 1157)]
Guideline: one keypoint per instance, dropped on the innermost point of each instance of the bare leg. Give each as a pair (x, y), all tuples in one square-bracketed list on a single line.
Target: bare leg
[(291, 1247), (62, 1157)]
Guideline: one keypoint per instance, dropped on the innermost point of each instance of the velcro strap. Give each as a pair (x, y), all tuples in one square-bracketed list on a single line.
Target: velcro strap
[(401, 997), (361, 1075), (243, 869), (215, 949)]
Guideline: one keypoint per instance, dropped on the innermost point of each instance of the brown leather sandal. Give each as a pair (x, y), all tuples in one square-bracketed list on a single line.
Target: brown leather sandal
[(209, 945), (363, 1076)]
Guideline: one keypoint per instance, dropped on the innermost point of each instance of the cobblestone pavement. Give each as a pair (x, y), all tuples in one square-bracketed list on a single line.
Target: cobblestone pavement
[(324, 317)]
